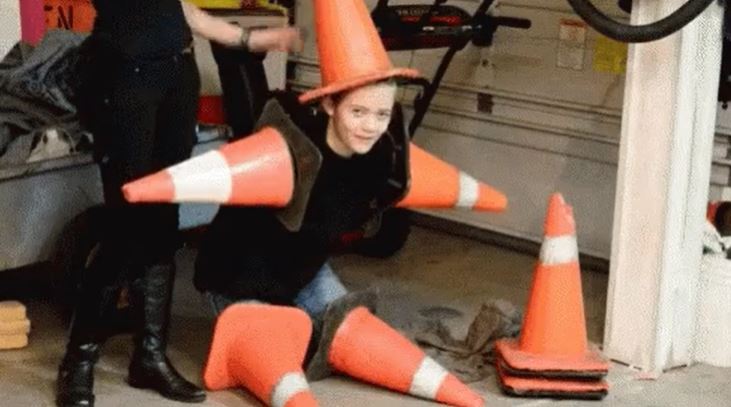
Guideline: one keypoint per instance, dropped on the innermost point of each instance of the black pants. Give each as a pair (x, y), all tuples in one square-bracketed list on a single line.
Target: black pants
[(245, 88), (143, 117)]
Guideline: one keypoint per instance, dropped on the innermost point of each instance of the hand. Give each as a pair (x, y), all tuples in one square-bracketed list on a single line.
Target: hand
[(288, 39)]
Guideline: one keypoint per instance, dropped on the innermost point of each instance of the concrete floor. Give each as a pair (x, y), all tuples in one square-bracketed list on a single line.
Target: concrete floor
[(434, 269)]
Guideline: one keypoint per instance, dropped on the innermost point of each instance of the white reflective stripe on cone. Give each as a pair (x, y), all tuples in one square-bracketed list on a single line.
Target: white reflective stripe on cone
[(559, 250), (428, 379), (288, 386), (469, 191), (204, 178)]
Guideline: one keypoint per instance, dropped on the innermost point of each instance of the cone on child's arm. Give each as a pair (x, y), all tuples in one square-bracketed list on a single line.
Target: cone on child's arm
[(553, 344), (256, 170), (356, 343), (14, 325), (276, 166), (244, 333), (437, 184)]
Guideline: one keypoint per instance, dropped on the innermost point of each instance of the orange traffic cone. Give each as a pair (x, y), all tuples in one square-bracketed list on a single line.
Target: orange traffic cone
[(276, 166), (553, 339), (356, 343), (244, 333), (437, 184), (350, 50), (256, 170)]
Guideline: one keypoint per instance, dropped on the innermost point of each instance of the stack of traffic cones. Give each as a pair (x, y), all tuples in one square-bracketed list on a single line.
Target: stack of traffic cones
[(14, 325), (358, 344), (261, 348), (552, 357)]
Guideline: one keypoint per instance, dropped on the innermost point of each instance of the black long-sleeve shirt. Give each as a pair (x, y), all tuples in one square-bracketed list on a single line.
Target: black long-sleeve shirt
[(248, 253), (141, 29)]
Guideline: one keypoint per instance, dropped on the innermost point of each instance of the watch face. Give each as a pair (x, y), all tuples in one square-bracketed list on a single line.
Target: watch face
[(245, 37)]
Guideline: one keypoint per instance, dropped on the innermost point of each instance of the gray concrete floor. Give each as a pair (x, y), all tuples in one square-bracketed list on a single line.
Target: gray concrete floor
[(434, 269)]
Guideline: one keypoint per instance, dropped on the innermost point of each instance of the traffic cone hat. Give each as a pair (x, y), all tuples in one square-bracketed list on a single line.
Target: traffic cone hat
[(276, 166), (553, 338), (437, 184), (261, 347), (350, 50), (358, 344)]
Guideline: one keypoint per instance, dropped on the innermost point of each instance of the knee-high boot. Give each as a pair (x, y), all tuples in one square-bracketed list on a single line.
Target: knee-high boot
[(151, 297), (75, 382)]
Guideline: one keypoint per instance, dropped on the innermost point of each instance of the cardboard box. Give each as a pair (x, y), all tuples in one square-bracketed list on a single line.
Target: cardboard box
[(74, 15)]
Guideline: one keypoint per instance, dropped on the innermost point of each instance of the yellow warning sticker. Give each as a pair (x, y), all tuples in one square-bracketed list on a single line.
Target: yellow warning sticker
[(610, 56)]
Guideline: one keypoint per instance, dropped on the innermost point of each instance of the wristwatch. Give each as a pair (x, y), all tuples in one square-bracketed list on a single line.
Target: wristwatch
[(244, 39)]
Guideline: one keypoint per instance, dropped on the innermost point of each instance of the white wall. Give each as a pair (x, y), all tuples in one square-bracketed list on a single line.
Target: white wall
[(9, 25)]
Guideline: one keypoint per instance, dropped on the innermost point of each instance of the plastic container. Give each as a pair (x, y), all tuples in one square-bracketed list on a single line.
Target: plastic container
[(713, 335)]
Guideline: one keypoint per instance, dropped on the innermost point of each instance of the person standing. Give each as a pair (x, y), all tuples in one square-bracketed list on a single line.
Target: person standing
[(138, 95)]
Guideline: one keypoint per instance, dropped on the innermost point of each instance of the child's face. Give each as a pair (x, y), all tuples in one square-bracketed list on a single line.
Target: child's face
[(360, 118)]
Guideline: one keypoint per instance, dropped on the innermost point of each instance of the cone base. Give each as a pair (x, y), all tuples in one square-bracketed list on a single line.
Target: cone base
[(592, 364), (555, 388), (319, 367), (307, 162), (552, 374)]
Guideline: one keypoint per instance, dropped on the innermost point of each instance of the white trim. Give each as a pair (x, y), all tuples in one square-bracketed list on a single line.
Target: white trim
[(428, 379), (559, 250), (288, 386), (469, 191), (204, 178)]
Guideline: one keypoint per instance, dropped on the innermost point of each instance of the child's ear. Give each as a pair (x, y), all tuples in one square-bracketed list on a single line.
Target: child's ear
[(328, 105)]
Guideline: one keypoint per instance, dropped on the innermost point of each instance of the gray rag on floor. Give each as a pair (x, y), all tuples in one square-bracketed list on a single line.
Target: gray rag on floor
[(470, 359)]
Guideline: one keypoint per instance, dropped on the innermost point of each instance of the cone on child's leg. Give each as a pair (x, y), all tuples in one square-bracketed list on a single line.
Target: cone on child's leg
[(356, 343), (244, 333), (437, 184)]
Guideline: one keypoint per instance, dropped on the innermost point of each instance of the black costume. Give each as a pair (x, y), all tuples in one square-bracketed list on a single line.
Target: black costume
[(138, 95), (248, 253)]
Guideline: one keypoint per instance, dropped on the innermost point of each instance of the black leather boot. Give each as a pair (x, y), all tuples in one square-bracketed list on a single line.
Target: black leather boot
[(151, 297), (75, 382)]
